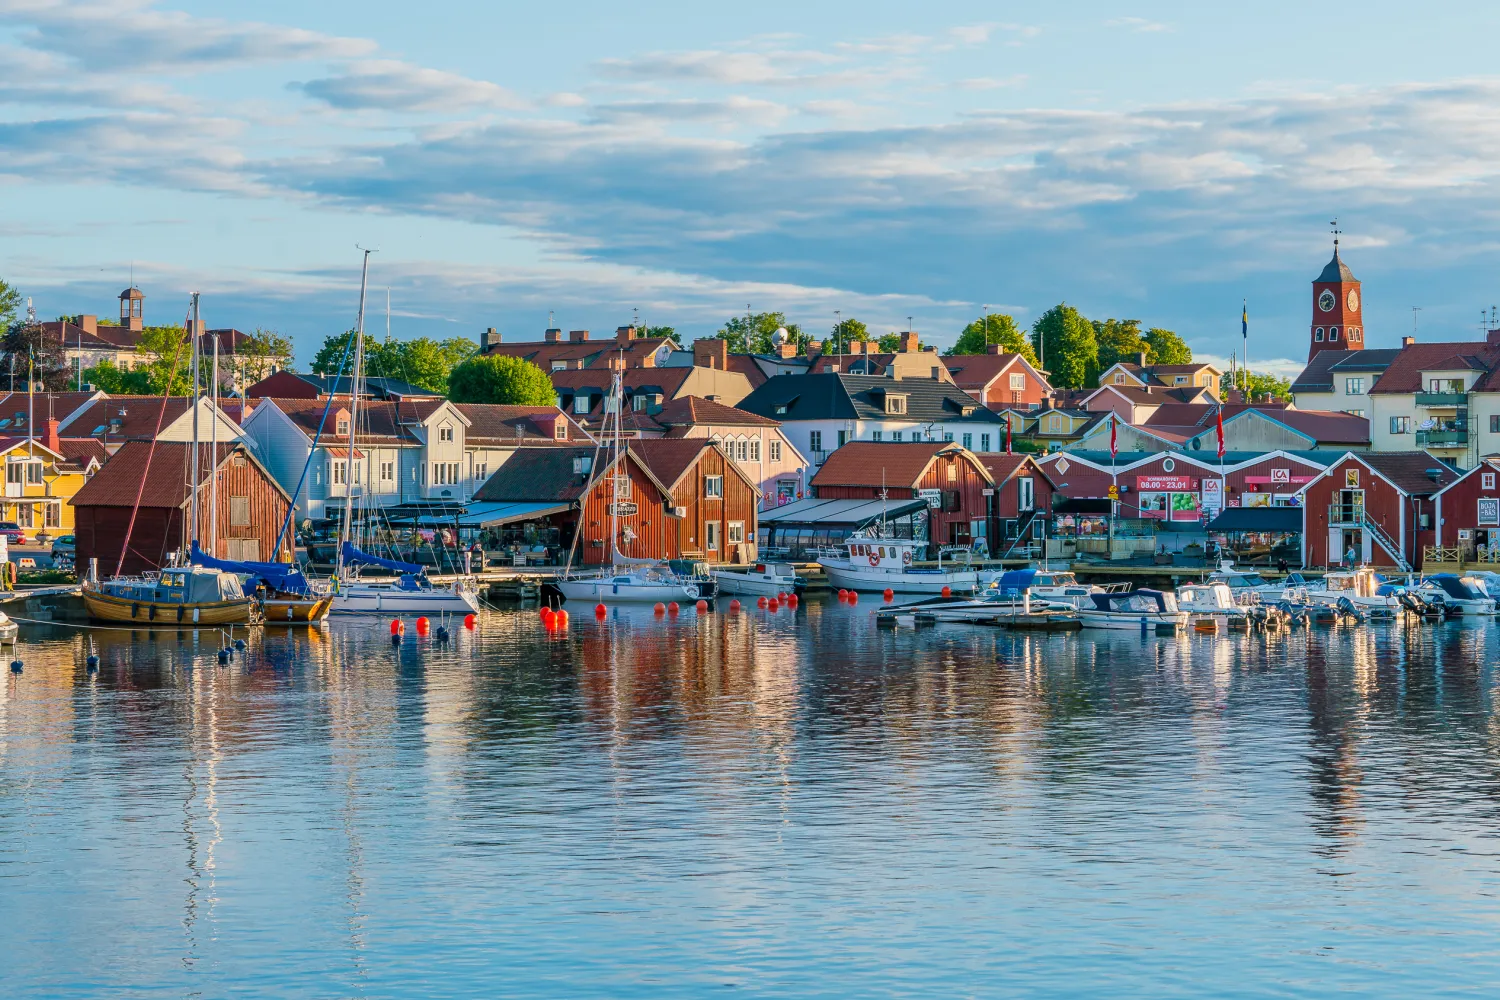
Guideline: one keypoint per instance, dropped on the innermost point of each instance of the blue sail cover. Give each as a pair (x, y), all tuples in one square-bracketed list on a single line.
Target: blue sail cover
[(1015, 582), (354, 557), (277, 575)]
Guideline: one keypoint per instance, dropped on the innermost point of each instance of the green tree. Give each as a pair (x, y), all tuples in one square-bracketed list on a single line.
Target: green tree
[(1119, 340), (660, 331), (994, 328), (890, 343), (10, 304), (846, 332), (326, 361), (1263, 383), (117, 381), (1067, 348), (28, 349), (425, 362), (499, 378), (165, 367), (1167, 348), (752, 333)]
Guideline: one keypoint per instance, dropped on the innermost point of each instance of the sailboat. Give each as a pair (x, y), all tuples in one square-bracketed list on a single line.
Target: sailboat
[(411, 591), (176, 595), (627, 580)]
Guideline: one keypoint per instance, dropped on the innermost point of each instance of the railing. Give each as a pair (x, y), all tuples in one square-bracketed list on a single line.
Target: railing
[(1442, 438), (1346, 514), (819, 457), (1442, 399)]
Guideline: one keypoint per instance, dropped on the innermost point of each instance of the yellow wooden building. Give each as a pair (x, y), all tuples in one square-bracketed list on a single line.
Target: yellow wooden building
[(41, 478)]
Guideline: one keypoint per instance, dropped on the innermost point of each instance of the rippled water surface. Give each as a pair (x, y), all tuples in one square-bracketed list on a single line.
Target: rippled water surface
[(787, 805)]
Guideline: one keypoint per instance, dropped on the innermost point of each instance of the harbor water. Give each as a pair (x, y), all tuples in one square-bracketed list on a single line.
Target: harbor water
[(766, 804)]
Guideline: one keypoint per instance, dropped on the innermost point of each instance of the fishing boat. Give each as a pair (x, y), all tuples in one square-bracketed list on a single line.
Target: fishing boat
[(760, 580), (1135, 610), (177, 595), (285, 595), (869, 561), (1459, 596), (1213, 602)]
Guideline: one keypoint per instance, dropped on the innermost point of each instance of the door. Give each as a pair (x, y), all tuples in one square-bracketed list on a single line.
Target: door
[(1351, 506), (14, 479), (1027, 487), (711, 536)]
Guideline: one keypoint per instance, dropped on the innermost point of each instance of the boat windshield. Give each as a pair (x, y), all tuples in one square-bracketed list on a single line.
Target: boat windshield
[(1056, 580)]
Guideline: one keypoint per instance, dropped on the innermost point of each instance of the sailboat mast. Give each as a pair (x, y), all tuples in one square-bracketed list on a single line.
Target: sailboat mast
[(359, 357), (213, 462), (614, 506), (192, 529)]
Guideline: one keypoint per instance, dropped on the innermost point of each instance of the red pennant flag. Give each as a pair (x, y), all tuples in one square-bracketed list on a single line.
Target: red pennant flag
[(1220, 418), (1007, 432), (1114, 444)]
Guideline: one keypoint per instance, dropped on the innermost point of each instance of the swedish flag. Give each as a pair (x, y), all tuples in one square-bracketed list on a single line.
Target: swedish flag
[(1245, 322)]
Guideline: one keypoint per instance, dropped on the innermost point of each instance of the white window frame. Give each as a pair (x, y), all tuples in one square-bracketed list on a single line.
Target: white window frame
[(1486, 480), (1018, 381), (735, 533), (713, 486), (775, 450)]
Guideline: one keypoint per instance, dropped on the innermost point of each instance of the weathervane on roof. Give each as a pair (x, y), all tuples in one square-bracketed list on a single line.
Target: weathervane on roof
[(1334, 225)]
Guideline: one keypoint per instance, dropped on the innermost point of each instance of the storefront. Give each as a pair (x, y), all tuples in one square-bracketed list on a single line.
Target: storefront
[(1171, 498)]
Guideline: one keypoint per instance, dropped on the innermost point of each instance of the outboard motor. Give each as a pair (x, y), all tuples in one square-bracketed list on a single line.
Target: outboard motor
[(1348, 607)]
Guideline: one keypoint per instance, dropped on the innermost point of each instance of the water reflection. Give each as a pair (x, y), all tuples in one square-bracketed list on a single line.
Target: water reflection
[(776, 801)]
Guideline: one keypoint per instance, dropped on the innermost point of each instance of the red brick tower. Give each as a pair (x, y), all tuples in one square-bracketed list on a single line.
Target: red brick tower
[(1338, 310)]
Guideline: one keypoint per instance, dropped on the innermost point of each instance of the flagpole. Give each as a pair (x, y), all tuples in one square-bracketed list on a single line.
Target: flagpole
[(1114, 478), (1245, 337)]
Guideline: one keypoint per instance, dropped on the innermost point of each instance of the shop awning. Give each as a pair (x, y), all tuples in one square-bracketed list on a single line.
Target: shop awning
[(480, 515), (1079, 505), (850, 513), (1284, 520)]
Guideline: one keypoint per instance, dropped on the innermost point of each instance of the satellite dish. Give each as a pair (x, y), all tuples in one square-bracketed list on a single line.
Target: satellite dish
[(780, 336)]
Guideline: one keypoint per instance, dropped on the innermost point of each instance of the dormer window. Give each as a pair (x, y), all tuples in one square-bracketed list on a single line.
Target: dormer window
[(895, 403), (1180, 380), (1119, 378), (559, 366), (560, 430), (445, 432), (341, 425), (581, 403)]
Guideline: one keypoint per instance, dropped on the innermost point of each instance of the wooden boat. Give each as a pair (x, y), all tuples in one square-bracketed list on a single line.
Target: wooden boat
[(181, 595), (295, 609)]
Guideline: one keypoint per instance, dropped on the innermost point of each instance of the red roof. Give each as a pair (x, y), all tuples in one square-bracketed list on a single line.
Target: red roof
[(155, 471), (78, 451), (379, 421), (1405, 371), (499, 424), (975, 371), (697, 410), (878, 463), (139, 417), (1415, 473), (1002, 467), (669, 458), (1325, 426)]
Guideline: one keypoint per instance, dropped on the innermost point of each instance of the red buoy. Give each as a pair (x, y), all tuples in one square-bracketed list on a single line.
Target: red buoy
[(600, 611), (791, 600), (890, 595), (561, 618), (947, 591), (775, 605), (660, 608), (701, 607), (396, 627), (469, 622), (423, 625), (760, 602), (672, 608), (545, 613), (734, 607), (781, 595), (843, 593), (853, 597)]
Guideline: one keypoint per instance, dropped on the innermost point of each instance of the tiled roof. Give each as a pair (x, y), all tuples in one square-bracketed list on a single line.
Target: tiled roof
[(378, 420), (854, 364), (496, 423), (589, 353), (975, 371), (1405, 372), (139, 417), (862, 397), (697, 410), (540, 474), (878, 463), (1318, 376), (1409, 470), (163, 465), (669, 458), (1002, 467), (78, 451), (76, 338)]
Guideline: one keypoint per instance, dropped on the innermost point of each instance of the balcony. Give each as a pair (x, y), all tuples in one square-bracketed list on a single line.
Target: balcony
[(1453, 438), (1442, 399), (1346, 514)]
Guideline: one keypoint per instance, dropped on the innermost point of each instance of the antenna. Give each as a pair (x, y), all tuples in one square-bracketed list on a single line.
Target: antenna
[(550, 324), (1334, 225), (1414, 311)]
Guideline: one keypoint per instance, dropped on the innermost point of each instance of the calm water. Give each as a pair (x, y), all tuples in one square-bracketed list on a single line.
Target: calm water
[(787, 806)]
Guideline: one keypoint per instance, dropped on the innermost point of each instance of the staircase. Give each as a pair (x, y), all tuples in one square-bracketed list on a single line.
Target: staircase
[(1023, 532), (1354, 516), (1387, 543)]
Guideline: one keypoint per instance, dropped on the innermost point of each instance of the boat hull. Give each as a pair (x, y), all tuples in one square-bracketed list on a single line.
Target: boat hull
[(361, 601), (1132, 621), (296, 610), (106, 608), (848, 577), (604, 591), (756, 584)]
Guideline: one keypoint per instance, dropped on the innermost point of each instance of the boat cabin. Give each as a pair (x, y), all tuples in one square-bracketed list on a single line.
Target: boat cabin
[(1136, 602), (178, 585), (1360, 582), (1206, 597)]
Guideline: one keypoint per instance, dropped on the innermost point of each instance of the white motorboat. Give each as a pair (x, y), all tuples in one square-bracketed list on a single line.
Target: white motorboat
[(1011, 597), (871, 562), (1249, 587), (1135, 610), (1056, 587), (1361, 587), (1212, 602), (641, 585), (1459, 596), (8, 628), (760, 580)]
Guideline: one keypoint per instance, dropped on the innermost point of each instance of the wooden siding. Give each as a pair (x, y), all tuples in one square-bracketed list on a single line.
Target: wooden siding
[(1384, 504), (739, 503), (1460, 507), (655, 537), (240, 477)]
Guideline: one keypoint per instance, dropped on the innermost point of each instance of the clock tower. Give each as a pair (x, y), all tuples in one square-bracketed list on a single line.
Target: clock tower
[(1338, 310)]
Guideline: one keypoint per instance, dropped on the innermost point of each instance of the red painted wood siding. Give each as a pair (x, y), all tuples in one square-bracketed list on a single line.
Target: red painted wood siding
[(1000, 395), (738, 503), (1383, 505), (655, 535), (1460, 505)]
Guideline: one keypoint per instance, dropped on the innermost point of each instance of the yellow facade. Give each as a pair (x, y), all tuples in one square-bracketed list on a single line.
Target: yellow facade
[(39, 488)]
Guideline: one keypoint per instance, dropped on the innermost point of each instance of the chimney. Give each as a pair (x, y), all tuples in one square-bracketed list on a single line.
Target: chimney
[(88, 324), (937, 373), (51, 440), (1408, 341), (490, 339), (787, 350), (994, 348), (1492, 338), (625, 334), (1140, 359), (711, 352), (553, 336), (577, 336), (910, 341)]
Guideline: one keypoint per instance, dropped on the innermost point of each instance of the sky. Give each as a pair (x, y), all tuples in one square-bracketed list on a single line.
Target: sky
[(677, 163)]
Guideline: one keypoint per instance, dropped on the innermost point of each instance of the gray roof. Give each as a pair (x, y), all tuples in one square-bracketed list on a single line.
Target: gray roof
[(842, 396), (1336, 270), (856, 513), (1376, 360), (379, 387), (1318, 375)]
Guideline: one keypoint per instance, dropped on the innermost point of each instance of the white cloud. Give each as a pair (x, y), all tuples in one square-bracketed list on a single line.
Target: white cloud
[(1140, 24), (398, 86), (992, 83), (735, 111)]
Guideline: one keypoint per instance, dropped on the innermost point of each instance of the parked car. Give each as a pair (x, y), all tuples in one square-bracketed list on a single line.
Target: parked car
[(62, 547), (12, 532)]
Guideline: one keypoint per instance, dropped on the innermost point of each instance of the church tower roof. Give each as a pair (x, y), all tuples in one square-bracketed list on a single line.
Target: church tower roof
[(1336, 270)]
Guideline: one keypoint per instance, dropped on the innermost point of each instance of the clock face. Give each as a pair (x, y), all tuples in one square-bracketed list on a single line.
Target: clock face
[(1326, 301), (1353, 301)]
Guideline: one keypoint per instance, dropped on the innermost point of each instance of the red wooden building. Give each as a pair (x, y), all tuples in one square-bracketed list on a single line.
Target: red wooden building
[(1467, 512), (713, 501), (1379, 505), (135, 510)]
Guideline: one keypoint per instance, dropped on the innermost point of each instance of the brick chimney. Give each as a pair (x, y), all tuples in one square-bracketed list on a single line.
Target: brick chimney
[(1140, 359), (1408, 341), (52, 439), (624, 334), (994, 348), (787, 350), (88, 324), (490, 339), (910, 342), (711, 352), (1492, 338), (577, 336), (553, 336)]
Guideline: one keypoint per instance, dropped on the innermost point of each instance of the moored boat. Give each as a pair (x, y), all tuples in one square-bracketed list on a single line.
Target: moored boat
[(178, 595), (1459, 596), (1135, 610), (1212, 602), (760, 580), (871, 562)]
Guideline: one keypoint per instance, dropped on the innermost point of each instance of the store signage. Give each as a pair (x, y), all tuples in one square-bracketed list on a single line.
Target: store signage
[(623, 509), (934, 498), (1163, 484)]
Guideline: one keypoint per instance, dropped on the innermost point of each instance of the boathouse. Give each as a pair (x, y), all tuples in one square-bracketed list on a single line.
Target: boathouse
[(948, 476), (1467, 512), (1380, 505), (133, 514)]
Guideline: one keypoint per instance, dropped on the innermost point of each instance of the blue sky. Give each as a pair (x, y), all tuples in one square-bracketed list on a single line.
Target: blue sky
[(683, 161)]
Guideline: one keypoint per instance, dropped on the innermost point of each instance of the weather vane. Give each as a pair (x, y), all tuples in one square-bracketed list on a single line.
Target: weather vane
[(1334, 225)]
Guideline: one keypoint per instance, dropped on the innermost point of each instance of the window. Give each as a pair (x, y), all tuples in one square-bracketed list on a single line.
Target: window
[(622, 487), (1355, 413), (815, 440), (969, 441), (339, 472), (1354, 386), (952, 472), (560, 430), (1401, 425), (387, 472), (895, 403), (1333, 333), (1119, 378), (1318, 334), (713, 486), (984, 442), (1495, 424), (559, 366), (755, 449), (877, 435), (26, 515), (1486, 480), (843, 438), (611, 404), (481, 472), (33, 472), (736, 533), (711, 535), (742, 450), (239, 512), (581, 403), (343, 425), (54, 514), (775, 450), (895, 435), (948, 436), (638, 402), (445, 433), (1180, 380), (1018, 381)]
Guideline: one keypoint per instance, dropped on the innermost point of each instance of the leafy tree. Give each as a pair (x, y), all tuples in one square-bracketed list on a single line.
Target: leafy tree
[(326, 361), (499, 378), (1167, 348), (752, 333), (116, 381), (10, 304), (1119, 340), (28, 349), (261, 352), (165, 368), (1067, 347), (425, 362), (1261, 383), (995, 328), (660, 331), (890, 343), (846, 332)]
